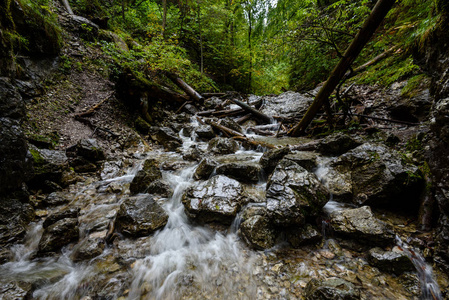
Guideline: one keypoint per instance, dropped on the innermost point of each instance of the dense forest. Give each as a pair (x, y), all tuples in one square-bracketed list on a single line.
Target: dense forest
[(256, 46)]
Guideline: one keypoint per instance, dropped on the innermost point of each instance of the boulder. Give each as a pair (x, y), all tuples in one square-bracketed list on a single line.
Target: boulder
[(270, 159), (90, 150), (337, 144), (49, 165), (205, 168), (332, 288), (140, 215), (168, 138), (394, 261), (306, 159), (380, 178), (289, 105), (221, 145), (111, 169), (359, 224), (193, 154), (88, 248), (216, 200), (58, 234), (55, 199), (160, 187), (241, 171), (256, 229), (150, 172), (71, 213), (294, 194)]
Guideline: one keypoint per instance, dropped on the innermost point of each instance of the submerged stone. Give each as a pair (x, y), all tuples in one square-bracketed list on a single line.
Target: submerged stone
[(301, 236), (390, 261), (215, 200), (331, 289)]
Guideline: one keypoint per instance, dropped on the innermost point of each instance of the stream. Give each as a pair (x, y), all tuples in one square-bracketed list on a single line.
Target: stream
[(188, 259)]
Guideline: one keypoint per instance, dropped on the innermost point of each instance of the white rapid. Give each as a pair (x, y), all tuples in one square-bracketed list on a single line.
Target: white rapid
[(188, 259)]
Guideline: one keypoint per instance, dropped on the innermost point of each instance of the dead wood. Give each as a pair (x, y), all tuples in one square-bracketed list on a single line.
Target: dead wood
[(253, 111), (91, 110), (185, 87), (378, 13)]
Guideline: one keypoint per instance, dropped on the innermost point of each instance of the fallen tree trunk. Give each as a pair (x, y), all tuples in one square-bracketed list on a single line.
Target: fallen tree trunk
[(253, 111), (363, 36), (185, 87), (374, 61), (91, 110), (210, 95)]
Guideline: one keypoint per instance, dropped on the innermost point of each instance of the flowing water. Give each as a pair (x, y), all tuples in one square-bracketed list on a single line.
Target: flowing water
[(183, 260)]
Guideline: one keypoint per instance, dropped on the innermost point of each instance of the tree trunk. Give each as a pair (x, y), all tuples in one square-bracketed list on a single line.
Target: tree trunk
[(369, 27), (67, 6), (185, 87), (164, 17), (253, 111)]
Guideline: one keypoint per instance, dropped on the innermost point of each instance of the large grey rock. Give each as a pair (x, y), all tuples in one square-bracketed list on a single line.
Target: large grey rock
[(168, 138), (58, 234), (221, 145), (381, 178), (256, 229), (216, 200), (331, 289), (241, 171), (271, 158), (294, 194), (150, 172), (306, 159), (205, 168), (49, 165), (288, 105), (90, 149), (390, 261), (140, 215), (360, 225), (160, 187), (70, 213), (337, 144), (205, 132)]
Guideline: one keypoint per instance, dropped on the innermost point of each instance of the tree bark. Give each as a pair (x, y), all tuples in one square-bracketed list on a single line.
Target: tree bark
[(253, 111), (164, 16), (67, 6), (185, 87), (363, 36)]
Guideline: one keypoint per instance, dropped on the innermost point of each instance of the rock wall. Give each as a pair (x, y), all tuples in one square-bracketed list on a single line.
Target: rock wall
[(433, 58)]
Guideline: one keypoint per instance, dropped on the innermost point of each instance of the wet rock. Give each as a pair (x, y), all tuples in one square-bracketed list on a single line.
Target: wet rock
[(48, 165), (331, 289), (390, 261), (55, 199), (337, 144), (380, 178), (82, 165), (205, 168), (271, 158), (140, 215), (360, 225), (301, 236), (205, 132), (168, 138), (215, 200), (193, 154), (256, 229), (111, 169), (14, 218), (338, 181), (160, 187), (58, 234), (221, 145), (294, 194), (15, 290), (412, 109), (71, 213), (243, 172), (306, 159), (90, 150), (88, 248), (287, 105), (150, 172)]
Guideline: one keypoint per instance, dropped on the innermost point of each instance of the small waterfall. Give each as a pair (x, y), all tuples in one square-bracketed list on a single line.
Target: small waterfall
[(429, 287)]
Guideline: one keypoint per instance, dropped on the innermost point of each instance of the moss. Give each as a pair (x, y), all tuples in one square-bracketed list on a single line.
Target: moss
[(37, 158), (414, 85)]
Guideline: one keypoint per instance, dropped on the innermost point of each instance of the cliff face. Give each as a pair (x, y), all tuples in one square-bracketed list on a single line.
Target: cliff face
[(433, 58)]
